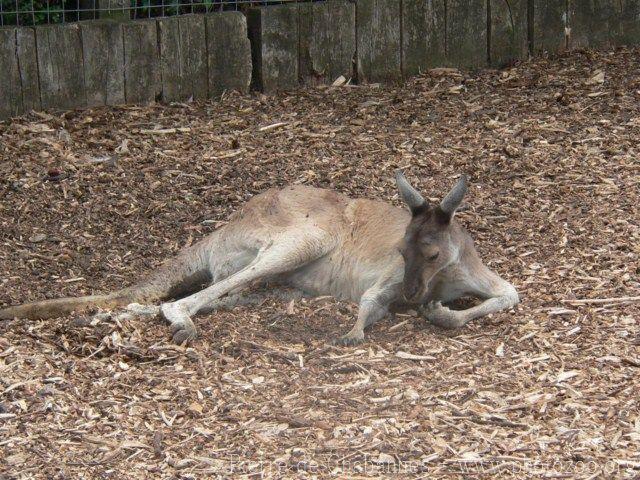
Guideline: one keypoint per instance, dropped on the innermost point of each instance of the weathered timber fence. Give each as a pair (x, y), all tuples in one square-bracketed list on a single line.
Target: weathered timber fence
[(279, 47), (106, 62)]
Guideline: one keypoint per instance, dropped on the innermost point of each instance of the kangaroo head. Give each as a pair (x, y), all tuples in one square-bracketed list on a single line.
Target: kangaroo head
[(431, 241)]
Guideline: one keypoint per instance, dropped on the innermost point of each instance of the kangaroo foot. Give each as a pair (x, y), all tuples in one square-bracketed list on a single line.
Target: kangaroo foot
[(143, 310), (182, 327)]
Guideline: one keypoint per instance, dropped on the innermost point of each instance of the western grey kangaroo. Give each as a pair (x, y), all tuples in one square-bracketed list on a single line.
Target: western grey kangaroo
[(323, 243)]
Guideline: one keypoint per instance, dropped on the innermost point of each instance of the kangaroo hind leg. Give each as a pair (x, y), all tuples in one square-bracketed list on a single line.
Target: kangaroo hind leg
[(287, 252), (248, 298)]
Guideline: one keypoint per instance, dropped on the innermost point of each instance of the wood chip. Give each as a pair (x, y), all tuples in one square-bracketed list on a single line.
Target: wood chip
[(552, 207), (273, 126), (411, 356)]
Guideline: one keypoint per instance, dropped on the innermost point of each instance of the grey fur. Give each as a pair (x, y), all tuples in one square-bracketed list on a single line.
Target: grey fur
[(409, 195), (452, 201)]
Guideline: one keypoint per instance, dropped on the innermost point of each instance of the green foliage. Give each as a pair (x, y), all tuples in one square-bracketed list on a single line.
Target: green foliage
[(31, 12), (38, 12), (168, 8)]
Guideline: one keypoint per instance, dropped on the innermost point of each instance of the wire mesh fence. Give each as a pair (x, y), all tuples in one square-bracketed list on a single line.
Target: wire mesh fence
[(39, 12)]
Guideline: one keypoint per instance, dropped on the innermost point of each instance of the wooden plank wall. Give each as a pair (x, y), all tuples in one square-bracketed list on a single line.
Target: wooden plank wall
[(279, 47)]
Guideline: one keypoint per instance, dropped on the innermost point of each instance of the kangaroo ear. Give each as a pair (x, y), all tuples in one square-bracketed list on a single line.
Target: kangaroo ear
[(410, 195), (452, 201)]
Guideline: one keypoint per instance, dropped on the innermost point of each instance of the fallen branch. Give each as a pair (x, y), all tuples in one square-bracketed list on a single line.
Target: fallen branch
[(274, 126), (165, 131), (598, 301), (411, 356)]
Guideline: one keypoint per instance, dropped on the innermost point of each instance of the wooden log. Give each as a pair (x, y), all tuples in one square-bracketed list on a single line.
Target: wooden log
[(28, 63), (10, 86), (629, 14), (508, 32), (423, 35), (550, 21), (141, 65), (467, 33), (378, 57), (327, 41), (183, 57), (273, 31), (228, 53), (103, 52), (594, 23), (60, 66)]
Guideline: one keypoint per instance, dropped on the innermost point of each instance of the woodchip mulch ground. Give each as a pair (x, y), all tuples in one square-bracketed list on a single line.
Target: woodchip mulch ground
[(91, 199)]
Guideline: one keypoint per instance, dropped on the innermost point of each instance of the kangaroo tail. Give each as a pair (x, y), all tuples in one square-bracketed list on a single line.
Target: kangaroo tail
[(56, 307), (179, 276)]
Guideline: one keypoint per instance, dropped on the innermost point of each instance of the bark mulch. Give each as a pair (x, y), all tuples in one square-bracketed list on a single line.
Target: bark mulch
[(92, 199)]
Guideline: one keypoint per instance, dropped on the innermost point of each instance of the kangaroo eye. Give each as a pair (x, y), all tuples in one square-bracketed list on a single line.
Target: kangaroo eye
[(433, 257)]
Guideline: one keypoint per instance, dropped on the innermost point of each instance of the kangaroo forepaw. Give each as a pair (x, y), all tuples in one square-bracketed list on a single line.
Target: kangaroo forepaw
[(182, 327), (443, 316), (349, 340)]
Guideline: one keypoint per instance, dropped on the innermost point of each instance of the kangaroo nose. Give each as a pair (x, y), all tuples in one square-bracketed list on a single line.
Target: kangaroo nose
[(411, 290)]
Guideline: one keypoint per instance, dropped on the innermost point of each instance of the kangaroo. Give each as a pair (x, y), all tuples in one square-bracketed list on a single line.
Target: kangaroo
[(322, 243)]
